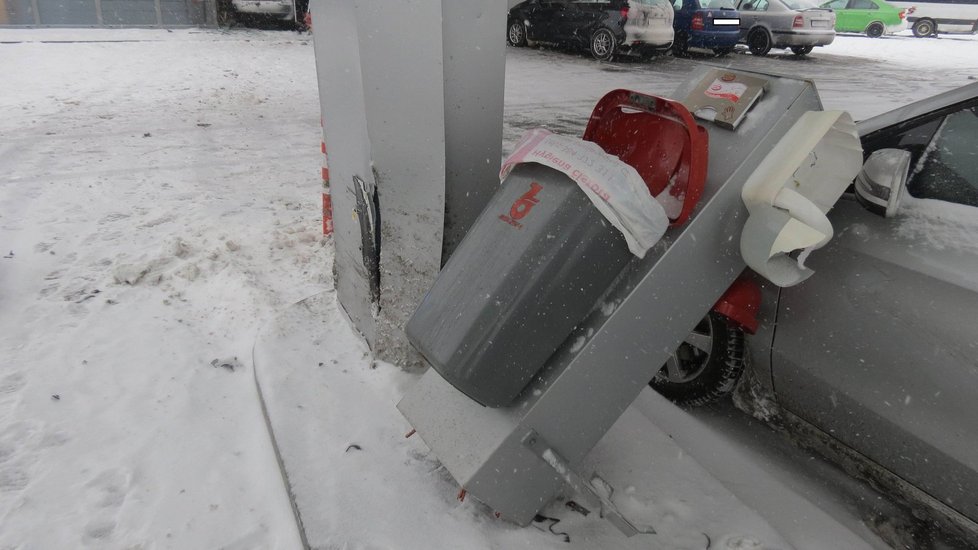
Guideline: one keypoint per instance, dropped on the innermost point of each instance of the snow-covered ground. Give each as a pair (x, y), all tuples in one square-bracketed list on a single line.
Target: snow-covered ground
[(158, 201), (159, 204)]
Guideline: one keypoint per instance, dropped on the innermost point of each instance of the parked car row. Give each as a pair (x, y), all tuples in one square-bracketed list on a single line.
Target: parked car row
[(646, 27)]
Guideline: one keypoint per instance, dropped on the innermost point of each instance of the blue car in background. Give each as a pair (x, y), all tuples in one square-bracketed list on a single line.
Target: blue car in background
[(710, 24)]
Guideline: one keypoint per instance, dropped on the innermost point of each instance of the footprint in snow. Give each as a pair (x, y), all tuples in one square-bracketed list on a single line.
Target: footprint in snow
[(12, 383), (109, 489), (97, 530), (10, 386), (105, 493), (13, 479), (112, 217)]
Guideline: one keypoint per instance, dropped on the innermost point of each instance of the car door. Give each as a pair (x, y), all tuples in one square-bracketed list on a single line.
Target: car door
[(582, 17), (753, 12), (879, 348), (860, 13), (683, 19), (842, 19), (543, 18)]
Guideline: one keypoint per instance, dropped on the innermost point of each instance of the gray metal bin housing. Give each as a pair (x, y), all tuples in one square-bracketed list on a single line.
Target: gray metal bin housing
[(531, 267)]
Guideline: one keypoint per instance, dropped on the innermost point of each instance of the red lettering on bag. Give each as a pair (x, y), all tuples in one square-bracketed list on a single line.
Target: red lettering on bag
[(524, 204)]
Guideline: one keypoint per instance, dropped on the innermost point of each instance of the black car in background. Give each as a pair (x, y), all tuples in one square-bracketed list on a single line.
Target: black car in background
[(606, 28)]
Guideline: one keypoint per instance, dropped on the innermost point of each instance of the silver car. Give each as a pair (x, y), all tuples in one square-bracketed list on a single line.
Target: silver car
[(797, 24), (874, 360), (276, 9)]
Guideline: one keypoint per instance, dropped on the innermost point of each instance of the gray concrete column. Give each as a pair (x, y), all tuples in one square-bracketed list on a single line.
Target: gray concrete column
[(412, 97)]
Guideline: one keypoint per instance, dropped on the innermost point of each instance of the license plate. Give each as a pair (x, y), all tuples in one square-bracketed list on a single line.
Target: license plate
[(734, 22), (821, 23)]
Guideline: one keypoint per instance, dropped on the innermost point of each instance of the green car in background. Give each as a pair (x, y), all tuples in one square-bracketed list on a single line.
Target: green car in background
[(873, 17)]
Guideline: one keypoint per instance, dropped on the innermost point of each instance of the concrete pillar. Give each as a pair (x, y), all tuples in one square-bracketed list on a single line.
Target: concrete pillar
[(473, 34), (411, 95)]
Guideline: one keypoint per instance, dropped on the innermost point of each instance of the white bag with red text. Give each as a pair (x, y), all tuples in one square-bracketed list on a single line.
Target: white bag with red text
[(615, 188)]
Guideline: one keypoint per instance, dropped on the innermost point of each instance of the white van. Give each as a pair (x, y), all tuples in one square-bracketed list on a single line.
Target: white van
[(929, 17)]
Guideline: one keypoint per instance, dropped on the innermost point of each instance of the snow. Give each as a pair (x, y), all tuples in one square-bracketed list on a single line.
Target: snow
[(941, 224), (159, 205), (149, 235)]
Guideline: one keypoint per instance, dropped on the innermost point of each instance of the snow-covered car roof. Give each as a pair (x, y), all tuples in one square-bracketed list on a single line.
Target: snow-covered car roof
[(922, 107)]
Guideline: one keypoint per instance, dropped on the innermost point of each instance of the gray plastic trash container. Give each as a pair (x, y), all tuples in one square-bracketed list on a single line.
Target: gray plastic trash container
[(533, 265)]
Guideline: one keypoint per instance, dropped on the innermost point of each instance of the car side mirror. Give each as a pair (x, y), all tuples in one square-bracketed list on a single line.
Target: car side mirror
[(881, 182)]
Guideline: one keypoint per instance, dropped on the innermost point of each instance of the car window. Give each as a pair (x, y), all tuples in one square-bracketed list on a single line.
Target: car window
[(862, 5), (948, 168), (800, 4), (912, 137), (836, 4), (754, 5), (678, 4), (725, 4)]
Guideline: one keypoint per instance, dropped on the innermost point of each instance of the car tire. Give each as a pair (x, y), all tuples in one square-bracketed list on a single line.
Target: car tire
[(603, 45), (923, 28), (802, 50), (516, 34), (680, 45), (720, 52), (875, 29), (759, 41), (707, 364)]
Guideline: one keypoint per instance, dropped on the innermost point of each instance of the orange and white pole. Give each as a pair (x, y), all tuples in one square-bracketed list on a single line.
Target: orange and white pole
[(327, 199)]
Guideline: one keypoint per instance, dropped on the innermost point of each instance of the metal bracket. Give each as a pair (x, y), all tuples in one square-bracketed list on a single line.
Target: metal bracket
[(597, 493)]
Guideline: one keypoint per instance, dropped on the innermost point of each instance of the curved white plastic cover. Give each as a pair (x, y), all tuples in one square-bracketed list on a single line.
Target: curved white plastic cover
[(791, 191), (616, 188)]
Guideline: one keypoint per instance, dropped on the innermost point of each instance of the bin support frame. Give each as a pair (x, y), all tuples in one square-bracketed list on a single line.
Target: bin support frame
[(603, 366)]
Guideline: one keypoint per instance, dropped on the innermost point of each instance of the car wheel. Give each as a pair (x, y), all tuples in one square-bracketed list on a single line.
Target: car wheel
[(759, 42), (516, 34), (680, 45), (720, 52), (707, 364), (802, 50), (603, 45), (875, 30), (923, 28)]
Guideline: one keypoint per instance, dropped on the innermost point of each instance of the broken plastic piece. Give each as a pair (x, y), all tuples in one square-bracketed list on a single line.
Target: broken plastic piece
[(660, 139), (597, 493), (578, 508), (792, 190)]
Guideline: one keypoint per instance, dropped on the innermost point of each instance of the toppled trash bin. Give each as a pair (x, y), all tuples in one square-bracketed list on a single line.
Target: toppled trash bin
[(517, 458), (567, 218)]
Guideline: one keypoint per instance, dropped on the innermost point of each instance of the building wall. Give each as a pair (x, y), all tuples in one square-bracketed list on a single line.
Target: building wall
[(108, 13)]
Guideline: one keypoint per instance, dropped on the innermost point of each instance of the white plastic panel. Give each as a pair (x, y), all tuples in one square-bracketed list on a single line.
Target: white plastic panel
[(792, 190)]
